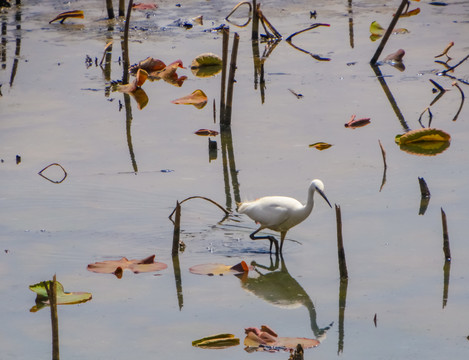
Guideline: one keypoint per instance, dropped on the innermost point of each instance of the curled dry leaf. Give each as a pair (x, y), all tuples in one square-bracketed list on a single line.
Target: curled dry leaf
[(149, 65), (197, 98), (320, 145), (219, 341), (395, 56), (445, 51), (220, 269), (68, 14), (206, 132), (357, 123), (117, 266), (139, 80)]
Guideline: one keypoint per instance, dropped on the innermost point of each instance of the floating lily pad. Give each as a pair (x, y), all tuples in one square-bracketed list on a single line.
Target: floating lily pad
[(422, 135), (206, 65), (117, 267), (427, 142), (63, 298)]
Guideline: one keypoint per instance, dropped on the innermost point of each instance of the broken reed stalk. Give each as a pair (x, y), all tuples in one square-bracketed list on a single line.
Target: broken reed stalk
[(391, 26), (177, 228), (446, 249), (231, 81), (122, 8), (340, 245), (226, 37), (110, 9), (424, 191), (125, 47), (52, 295)]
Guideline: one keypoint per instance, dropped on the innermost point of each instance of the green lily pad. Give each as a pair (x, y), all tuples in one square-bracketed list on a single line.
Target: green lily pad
[(63, 298)]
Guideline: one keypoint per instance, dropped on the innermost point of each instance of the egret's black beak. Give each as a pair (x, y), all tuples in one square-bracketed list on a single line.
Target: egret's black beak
[(324, 196)]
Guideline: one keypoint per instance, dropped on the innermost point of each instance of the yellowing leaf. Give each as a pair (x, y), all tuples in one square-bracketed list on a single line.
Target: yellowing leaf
[(206, 132), (427, 142), (117, 266), (411, 13), (377, 29), (197, 98), (68, 14), (321, 145), (219, 341), (219, 269), (421, 135), (206, 65)]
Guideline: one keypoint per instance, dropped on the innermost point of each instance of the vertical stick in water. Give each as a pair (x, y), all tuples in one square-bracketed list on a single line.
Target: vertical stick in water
[(110, 9), (125, 45), (388, 32), (255, 21), (177, 228), (122, 8), (340, 245), (226, 37), (231, 81), (51, 288)]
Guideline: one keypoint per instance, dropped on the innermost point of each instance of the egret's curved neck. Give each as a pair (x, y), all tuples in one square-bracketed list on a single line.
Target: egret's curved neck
[(310, 202)]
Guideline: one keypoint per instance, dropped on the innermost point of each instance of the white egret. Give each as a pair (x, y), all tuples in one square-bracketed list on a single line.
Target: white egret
[(280, 213)]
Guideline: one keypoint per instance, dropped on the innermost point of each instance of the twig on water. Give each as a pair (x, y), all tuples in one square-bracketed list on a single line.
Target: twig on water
[(383, 153), (462, 100), (430, 116), (236, 8), (289, 41), (446, 249), (203, 198), (424, 196), (391, 26), (267, 24)]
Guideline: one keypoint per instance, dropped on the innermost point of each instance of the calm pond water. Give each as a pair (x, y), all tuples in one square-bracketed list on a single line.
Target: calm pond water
[(126, 170)]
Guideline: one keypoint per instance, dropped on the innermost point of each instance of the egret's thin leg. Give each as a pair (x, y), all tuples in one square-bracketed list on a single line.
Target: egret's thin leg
[(268, 237), (282, 238)]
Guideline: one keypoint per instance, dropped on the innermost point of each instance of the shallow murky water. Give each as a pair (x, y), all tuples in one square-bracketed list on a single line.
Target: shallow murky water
[(115, 201)]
